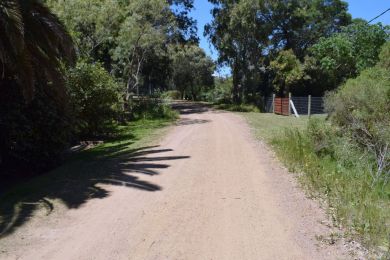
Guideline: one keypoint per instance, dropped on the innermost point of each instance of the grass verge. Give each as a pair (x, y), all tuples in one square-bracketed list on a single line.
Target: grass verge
[(237, 108), (334, 170), (85, 175)]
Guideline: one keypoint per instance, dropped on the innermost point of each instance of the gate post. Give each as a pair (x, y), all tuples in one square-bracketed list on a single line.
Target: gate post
[(273, 103), (289, 106), (309, 106)]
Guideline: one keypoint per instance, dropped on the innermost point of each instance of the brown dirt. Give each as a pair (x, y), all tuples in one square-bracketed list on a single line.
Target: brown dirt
[(230, 199)]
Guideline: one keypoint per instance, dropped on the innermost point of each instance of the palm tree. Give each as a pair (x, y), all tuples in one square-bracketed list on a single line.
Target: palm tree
[(33, 45)]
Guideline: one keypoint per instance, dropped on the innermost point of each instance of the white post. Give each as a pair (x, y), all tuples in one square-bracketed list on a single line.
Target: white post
[(289, 103), (293, 107), (309, 106)]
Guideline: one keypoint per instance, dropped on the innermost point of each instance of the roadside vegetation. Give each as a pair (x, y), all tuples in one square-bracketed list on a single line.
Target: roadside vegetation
[(272, 47), (78, 71), (344, 159), (104, 71)]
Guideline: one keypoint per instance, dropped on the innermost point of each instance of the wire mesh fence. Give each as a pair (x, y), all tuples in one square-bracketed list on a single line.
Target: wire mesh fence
[(304, 105)]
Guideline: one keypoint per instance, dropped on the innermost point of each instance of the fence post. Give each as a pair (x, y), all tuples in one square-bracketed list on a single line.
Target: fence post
[(289, 106), (273, 103), (309, 106)]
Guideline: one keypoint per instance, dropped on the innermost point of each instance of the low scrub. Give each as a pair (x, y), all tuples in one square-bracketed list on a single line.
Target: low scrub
[(338, 170), (361, 110), (346, 159)]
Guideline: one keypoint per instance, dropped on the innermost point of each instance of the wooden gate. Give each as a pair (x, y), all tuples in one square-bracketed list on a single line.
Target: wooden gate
[(282, 106)]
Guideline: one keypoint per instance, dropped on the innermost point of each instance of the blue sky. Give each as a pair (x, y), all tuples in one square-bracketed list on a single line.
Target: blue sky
[(358, 8)]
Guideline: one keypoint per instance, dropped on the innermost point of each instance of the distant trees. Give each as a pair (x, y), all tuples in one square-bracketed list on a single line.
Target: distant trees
[(192, 70), (142, 33), (131, 38), (249, 34), (307, 47)]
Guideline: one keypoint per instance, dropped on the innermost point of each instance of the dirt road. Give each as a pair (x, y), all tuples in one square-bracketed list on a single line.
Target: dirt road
[(215, 193)]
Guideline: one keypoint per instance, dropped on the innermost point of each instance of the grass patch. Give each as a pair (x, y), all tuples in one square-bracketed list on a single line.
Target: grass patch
[(81, 177), (237, 108), (128, 137), (334, 169), (267, 126)]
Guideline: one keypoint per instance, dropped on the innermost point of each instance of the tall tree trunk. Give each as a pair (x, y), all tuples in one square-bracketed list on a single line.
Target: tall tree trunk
[(236, 84)]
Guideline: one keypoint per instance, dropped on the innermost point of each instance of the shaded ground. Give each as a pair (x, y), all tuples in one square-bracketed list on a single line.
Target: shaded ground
[(208, 191)]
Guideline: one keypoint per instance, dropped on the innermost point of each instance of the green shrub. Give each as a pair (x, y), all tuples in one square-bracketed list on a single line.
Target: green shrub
[(95, 98), (347, 160), (33, 135), (361, 109), (151, 109), (384, 56), (337, 170)]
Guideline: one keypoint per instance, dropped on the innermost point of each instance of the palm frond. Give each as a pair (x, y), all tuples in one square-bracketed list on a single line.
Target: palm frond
[(34, 45)]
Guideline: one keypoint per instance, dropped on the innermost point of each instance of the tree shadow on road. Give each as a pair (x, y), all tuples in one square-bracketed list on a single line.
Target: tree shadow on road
[(186, 108), (79, 181)]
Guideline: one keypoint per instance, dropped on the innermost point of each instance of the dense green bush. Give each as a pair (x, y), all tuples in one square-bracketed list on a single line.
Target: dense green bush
[(33, 134), (361, 109), (95, 98), (334, 168)]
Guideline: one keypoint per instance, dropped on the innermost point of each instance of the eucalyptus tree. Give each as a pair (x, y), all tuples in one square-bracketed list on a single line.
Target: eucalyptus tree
[(186, 27), (192, 70), (144, 31), (93, 24), (240, 36), (130, 38), (249, 34)]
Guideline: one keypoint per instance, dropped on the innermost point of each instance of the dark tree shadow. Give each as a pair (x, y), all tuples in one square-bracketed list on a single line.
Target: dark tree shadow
[(78, 181), (188, 121), (81, 179), (186, 108)]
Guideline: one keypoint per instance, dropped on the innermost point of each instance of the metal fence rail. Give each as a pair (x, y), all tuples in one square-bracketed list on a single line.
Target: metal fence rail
[(304, 105)]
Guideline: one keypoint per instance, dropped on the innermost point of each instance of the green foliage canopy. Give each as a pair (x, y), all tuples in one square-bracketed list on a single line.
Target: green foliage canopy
[(288, 71), (250, 33)]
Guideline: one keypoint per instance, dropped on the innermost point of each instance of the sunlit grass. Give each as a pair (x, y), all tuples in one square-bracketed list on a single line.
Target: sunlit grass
[(341, 177)]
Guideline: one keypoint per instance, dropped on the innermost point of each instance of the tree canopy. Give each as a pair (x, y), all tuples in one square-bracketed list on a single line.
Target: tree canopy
[(249, 34)]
